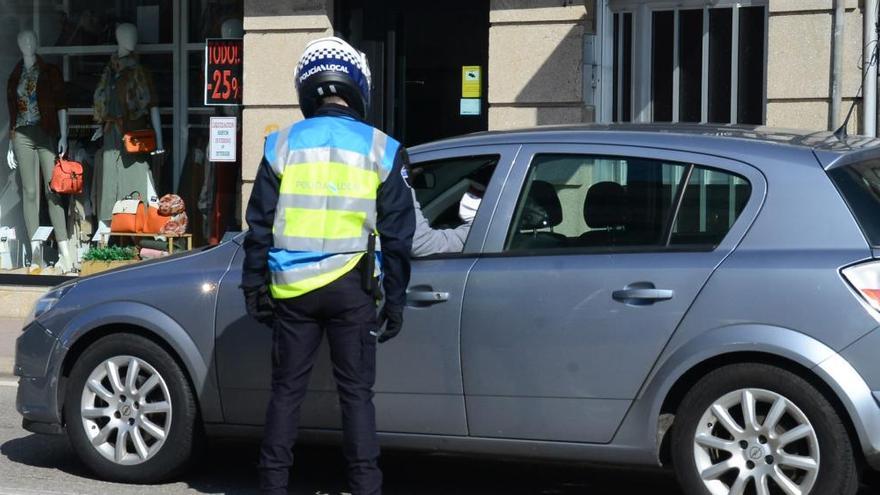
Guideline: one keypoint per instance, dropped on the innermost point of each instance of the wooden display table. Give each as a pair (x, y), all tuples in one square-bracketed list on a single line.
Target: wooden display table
[(170, 238)]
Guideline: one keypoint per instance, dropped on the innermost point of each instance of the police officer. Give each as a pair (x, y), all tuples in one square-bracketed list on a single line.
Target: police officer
[(326, 186)]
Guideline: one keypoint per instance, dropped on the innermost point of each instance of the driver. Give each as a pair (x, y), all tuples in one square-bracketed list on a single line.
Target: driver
[(428, 241)]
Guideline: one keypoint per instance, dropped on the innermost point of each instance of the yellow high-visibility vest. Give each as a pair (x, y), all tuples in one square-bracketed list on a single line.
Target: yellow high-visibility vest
[(330, 170)]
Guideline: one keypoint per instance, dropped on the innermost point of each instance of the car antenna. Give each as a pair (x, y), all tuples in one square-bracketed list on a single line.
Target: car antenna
[(841, 133)]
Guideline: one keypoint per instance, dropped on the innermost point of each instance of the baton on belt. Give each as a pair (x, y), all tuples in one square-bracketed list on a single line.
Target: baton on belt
[(370, 265)]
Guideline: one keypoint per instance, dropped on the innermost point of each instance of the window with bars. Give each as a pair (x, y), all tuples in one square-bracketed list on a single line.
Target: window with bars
[(700, 64)]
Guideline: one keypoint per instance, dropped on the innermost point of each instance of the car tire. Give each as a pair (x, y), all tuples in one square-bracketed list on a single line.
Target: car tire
[(153, 410), (795, 436)]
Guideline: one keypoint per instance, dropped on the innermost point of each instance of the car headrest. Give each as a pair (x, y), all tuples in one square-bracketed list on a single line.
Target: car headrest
[(605, 205), (542, 208)]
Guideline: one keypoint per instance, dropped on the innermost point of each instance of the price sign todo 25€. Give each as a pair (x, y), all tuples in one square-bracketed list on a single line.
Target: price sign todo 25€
[(223, 71)]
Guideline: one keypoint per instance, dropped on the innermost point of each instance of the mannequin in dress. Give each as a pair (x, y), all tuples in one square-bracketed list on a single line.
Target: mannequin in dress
[(125, 101), (38, 115)]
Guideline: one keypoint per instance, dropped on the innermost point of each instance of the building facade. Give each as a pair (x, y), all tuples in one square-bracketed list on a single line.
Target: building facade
[(439, 69)]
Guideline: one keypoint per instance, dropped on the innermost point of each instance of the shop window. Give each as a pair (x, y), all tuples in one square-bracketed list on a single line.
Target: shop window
[(705, 64), (79, 38), (90, 22)]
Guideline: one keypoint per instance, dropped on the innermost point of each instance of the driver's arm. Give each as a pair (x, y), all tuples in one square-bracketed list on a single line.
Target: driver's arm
[(428, 241)]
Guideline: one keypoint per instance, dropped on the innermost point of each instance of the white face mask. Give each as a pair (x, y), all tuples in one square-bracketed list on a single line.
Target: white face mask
[(468, 206)]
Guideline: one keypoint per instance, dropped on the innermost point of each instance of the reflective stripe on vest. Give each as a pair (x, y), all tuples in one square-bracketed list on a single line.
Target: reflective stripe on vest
[(330, 170)]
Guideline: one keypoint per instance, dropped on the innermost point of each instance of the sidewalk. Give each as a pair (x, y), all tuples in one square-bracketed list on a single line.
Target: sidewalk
[(10, 329)]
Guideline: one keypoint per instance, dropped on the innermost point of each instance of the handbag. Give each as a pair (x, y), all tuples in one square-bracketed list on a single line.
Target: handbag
[(129, 215), (67, 177), (154, 222), (141, 141)]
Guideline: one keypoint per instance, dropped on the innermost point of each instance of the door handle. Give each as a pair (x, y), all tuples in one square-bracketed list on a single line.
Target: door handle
[(642, 294), (426, 296)]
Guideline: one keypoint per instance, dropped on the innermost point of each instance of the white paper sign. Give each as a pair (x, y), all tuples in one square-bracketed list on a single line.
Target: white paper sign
[(42, 234), (223, 135)]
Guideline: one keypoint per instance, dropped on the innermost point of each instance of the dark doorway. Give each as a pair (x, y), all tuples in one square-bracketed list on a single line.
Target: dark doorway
[(416, 52)]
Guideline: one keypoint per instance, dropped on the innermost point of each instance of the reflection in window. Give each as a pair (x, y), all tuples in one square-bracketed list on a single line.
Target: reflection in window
[(606, 203), (87, 22), (207, 18), (712, 202), (583, 201)]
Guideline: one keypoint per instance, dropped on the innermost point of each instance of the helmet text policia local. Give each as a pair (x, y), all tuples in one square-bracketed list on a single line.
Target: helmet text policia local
[(332, 67)]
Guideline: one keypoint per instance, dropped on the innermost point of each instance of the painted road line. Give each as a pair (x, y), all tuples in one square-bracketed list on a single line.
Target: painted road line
[(8, 383)]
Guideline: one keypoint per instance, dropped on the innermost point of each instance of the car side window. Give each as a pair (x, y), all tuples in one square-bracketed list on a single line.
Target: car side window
[(712, 202), (592, 202), (440, 184)]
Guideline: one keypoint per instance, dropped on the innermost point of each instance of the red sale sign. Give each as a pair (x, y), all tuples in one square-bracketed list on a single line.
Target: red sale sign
[(223, 71)]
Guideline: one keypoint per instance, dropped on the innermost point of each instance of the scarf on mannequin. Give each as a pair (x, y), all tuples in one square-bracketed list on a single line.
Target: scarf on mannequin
[(136, 86)]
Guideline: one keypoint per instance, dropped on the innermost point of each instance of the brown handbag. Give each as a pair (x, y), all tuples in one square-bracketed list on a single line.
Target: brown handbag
[(67, 177), (142, 141)]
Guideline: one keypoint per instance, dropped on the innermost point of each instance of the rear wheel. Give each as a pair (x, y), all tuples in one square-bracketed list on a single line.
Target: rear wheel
[(129, 410), (756, 429)]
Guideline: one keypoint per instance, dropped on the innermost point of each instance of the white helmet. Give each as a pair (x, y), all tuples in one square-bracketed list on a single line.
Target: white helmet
[(332, 67)]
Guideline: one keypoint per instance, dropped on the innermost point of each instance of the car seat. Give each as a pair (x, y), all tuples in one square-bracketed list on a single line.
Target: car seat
[(542, 210), (605, 212)]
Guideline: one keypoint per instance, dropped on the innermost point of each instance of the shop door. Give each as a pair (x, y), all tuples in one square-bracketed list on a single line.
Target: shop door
[(417, 52)]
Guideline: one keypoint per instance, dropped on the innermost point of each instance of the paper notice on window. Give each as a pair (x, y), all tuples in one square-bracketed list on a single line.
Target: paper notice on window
[(223, 136)]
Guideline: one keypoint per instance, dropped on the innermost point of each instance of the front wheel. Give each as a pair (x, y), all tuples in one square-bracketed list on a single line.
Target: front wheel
[(756, 429), (129, 411)]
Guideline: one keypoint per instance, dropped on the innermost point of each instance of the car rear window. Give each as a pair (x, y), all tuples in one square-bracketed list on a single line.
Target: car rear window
[(859, 184)]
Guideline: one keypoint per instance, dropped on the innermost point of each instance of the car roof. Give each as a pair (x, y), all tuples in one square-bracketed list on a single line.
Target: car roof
[(830, 149)]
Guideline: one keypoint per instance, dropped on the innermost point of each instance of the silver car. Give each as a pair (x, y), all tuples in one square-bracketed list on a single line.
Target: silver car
[(701, 297)]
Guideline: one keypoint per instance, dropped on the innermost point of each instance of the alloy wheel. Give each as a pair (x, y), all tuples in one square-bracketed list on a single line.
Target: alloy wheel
[(754, 441), (126, 410)]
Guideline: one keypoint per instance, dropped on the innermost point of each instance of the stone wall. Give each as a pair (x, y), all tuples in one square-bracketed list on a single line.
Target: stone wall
[(536, 62), (799, 63), (275, 35)]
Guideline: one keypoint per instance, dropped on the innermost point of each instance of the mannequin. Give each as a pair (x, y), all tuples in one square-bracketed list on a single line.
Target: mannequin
[(38, 114), (125, 100)]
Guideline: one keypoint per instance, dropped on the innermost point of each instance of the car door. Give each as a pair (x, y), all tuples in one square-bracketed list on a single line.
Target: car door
[(594, 256), (419, 382)]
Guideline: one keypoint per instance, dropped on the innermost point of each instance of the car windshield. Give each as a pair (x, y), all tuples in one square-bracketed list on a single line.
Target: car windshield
[(859, 184)]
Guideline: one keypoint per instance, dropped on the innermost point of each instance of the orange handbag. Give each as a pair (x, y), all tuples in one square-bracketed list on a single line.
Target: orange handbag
[(154, 222), (67, 177), (142, 141), (129, 215)]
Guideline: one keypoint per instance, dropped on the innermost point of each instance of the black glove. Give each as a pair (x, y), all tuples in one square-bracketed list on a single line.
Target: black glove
[(392, 319), (259, 304)]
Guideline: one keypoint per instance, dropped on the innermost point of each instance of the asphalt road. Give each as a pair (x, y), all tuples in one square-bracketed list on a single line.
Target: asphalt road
[(45, 465)]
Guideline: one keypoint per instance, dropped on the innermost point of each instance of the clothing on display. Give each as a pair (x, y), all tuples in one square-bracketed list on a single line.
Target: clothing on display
[(47, 93), (122, 103), (28, 107), (33, 151)]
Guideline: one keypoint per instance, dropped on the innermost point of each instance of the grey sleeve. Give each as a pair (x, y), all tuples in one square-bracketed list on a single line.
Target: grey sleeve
[(428, 241)]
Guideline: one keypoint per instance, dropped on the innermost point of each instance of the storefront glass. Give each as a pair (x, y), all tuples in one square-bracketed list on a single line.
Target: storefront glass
[(160, 86)]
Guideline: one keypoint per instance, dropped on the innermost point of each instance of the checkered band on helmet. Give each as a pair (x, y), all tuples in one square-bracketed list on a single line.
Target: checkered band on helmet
[(333, 55)]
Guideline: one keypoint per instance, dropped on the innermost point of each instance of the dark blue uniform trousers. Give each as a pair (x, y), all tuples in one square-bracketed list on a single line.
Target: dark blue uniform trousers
[(347, 313)]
